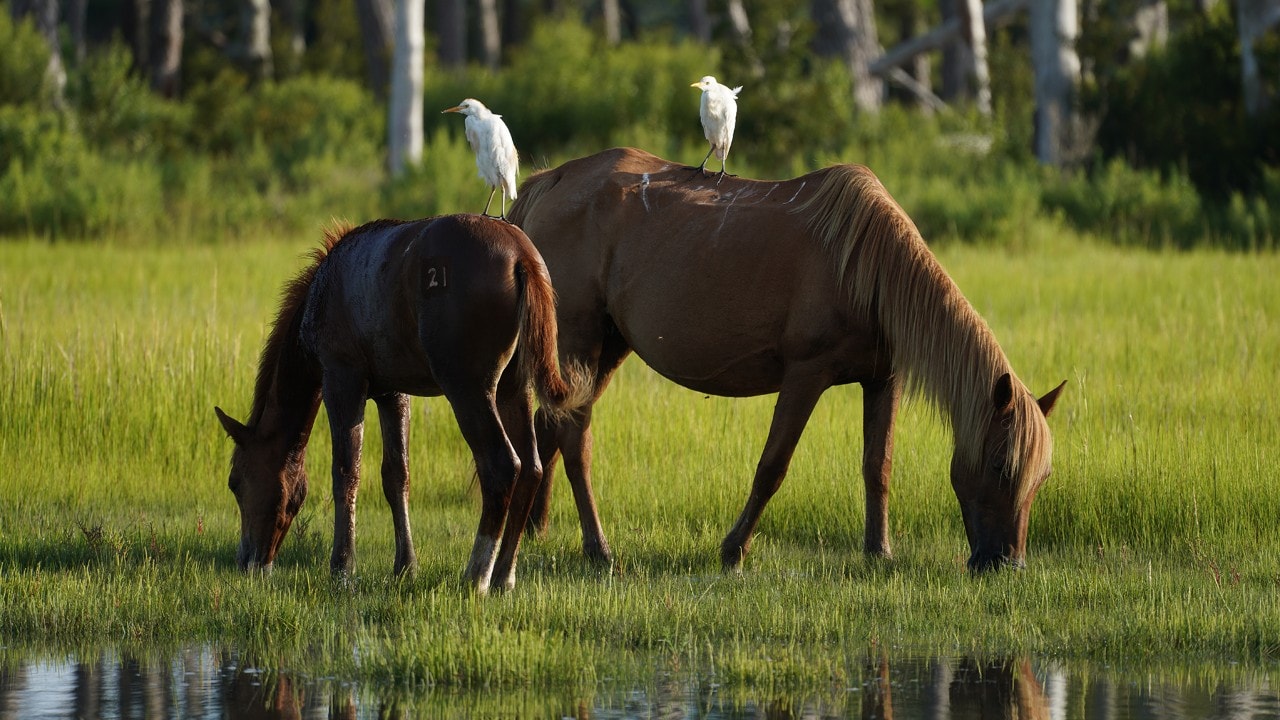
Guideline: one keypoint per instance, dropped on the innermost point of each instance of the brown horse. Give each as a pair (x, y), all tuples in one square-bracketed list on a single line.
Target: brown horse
[(750, 287), (459, 306)]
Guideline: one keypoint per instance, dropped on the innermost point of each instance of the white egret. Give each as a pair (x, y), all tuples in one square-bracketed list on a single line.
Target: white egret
[(496, 157), (719, 113)]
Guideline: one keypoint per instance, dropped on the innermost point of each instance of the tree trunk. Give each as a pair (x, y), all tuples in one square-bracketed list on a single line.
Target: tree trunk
[(1054, 28), (1150, 27), (699, 21), (953, 71), (252, 49), (848, 28), (451, 24), (166, 47), (375, 31), (76, 12), (490, 33), (1253, 18), (404, 124), (973, 37), (44, 13), (612, 16), (513, 24), (915, 83)]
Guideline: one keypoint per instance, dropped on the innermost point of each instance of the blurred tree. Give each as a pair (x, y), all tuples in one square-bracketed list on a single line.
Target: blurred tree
[(375, 30), (44, 15), (451, 32), (404, 123), (847, 29), (1054, 28), (166, 30), (251, 47), (972, 54), (490, 34), (1253, 19)]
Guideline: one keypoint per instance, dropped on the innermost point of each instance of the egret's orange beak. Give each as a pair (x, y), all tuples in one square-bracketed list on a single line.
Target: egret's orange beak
[(452, 109)]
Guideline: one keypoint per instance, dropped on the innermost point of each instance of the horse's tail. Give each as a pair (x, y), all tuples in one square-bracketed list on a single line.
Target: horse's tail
[(560, 390)]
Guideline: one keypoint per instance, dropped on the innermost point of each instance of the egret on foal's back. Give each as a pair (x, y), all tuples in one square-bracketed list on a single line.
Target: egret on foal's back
[(496, 157), (719, 113)]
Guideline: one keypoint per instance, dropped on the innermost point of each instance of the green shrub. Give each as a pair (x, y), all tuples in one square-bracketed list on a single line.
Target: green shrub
[(1132, 207), (54, 185), (118, 112), (23, 59)]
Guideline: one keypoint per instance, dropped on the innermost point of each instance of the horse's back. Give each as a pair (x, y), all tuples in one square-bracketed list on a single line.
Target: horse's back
[(400, 303), (717, 286)]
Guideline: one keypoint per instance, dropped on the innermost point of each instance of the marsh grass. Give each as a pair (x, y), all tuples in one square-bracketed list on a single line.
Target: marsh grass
[(1155, 538)]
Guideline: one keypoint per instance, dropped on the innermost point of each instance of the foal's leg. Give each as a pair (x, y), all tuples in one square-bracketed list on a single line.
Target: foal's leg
[(795, 404), (393, 416), (344, 401), (497, 466), (879, 410), (516, 412)]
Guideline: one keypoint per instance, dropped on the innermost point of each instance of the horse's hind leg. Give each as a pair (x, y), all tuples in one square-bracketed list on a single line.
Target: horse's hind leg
[(393, 416), (516, 412), (497, 466), (795, 404), (879, 410)]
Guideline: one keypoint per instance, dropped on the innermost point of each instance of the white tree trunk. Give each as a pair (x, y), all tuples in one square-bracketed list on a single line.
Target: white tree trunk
[(973, 35), (611, 10), (1055, 26), (490, 33), (404, 126), (848, 27)]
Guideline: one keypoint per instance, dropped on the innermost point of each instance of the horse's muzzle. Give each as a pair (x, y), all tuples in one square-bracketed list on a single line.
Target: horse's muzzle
[(983, 562)]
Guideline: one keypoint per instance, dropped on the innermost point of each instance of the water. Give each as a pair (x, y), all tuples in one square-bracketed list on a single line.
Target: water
[(207, 683)]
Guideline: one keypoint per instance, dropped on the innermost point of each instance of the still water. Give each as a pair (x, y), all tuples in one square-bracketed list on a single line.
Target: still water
[(207, 683)]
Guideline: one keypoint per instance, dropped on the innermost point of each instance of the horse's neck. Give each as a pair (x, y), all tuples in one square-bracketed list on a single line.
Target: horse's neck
[(292, 398)]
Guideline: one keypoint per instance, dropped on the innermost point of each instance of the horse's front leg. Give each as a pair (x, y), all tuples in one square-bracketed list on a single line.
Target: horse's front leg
[(344, 401), (879, 410), (393, 416), (796, 400)]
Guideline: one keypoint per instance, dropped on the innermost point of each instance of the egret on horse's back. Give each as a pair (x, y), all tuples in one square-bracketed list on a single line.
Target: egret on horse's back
[(790, 287)]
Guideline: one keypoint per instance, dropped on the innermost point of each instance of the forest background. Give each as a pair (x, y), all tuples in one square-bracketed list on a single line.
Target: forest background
[(208, 120)]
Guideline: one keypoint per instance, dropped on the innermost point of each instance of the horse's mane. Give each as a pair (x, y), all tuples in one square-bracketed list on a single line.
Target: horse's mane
[(940, 344), (531, 191), (293, 295)]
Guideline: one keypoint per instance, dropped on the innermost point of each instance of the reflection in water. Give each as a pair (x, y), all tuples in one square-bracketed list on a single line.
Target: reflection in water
[(206, 683)]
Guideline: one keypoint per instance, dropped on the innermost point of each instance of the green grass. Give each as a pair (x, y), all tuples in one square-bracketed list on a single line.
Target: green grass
[(1155, 539)]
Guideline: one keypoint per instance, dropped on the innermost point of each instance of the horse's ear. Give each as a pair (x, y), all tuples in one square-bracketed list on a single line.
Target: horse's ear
[(1050, 398), (1002, 396), (235, 429)]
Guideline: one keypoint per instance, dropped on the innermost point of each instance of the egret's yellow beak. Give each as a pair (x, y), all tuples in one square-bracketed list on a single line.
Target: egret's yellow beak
[(452, 109), (697, 84)]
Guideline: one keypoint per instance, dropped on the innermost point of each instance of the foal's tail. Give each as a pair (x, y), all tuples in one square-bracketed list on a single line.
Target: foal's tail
[(559, 390)]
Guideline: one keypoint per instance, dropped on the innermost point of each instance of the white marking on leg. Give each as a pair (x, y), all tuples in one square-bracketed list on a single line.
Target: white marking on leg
[(483, 553)]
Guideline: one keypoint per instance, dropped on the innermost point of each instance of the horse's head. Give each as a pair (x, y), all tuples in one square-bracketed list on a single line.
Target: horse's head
[(269, 480), (996, 492)]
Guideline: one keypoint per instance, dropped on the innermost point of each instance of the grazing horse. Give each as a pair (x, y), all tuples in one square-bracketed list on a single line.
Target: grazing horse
[(752, 287), (459, 306)]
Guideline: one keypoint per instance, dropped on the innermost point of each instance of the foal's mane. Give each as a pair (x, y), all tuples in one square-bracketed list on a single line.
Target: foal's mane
[(941, 346), (293, 296)]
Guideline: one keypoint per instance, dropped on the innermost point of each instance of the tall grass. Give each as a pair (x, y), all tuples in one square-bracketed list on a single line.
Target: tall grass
[(1155, 537)]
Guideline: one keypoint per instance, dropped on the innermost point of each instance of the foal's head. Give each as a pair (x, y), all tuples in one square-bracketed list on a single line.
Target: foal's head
[(996, 492), (269, 480)]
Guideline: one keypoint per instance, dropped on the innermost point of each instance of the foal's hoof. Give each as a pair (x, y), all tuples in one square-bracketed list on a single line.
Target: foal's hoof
[(731, 559), (599, 556)]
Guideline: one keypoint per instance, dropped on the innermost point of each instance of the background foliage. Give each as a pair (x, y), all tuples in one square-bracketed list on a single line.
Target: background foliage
[(1176, 163)]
